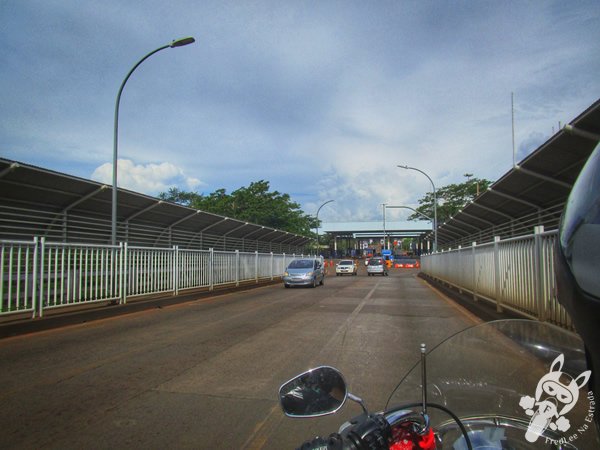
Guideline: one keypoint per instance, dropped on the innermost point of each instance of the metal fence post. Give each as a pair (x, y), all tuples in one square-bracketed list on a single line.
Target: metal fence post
[(461, 274), (284, 263), (35, 276), (237, 268), (497, 281), (42, 263), (539, 273), (176, 270), (256, 265), (124, 264), (211, 260), (474, 270), (271, 270)]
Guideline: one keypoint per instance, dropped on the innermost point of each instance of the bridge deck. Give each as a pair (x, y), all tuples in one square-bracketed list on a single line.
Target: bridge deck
[(205, 374)]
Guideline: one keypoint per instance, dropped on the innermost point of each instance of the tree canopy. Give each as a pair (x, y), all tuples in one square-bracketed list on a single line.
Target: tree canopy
[(451, 198), (255, 204)]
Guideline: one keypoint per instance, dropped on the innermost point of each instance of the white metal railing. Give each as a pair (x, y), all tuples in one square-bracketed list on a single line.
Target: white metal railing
[(149, 270), (515, 274), (37, 275), (73, 274), (18, 276)]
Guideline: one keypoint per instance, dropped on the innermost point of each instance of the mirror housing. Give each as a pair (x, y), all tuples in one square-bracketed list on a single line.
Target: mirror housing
[(317, 392)]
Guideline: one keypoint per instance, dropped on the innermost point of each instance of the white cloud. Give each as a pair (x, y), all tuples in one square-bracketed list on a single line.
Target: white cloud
[(322, 102), (529, 144), (150, 179)]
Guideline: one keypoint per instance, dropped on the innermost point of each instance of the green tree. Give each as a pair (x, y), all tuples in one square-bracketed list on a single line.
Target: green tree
[(181, 197), (451, 198), (254, 203)]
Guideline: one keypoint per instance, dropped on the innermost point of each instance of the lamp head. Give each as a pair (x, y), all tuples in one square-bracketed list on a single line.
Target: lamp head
[(183, 41)]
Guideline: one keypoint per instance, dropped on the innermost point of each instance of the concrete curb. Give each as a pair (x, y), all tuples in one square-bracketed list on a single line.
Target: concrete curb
[(106, 310), (482, 309)]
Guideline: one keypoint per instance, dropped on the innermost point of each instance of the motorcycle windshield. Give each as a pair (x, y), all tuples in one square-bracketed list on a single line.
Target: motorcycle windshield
[(513, 383)]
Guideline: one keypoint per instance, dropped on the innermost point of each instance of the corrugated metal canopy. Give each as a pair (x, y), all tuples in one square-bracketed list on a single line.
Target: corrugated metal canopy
[(51, 197), (532, 193), (375, 229)]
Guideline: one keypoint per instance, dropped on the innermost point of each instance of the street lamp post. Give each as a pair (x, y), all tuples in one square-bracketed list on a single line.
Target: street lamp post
[(412, 209), (435, 238), (383, 205), (317, 227), (177, 43)]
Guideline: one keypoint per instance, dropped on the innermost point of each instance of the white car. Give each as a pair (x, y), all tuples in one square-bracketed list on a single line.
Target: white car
[(346, 266)]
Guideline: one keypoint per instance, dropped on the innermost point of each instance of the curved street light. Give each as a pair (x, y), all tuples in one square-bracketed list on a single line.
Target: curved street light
[(317, 227), (435, 239), (412, 209), (176, 43)]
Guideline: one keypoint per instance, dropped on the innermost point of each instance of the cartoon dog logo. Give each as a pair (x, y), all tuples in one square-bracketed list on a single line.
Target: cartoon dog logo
[(556, 394)]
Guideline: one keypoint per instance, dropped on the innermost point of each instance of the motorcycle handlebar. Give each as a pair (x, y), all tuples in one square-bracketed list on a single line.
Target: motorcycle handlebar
[(370, 432), (374, 431)]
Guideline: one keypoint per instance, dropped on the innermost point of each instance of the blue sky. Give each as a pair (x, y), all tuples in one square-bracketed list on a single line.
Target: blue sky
[(321, 98)]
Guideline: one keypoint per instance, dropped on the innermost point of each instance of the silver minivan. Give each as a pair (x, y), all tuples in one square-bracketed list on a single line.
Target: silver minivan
[(304, 272), (377, 266)]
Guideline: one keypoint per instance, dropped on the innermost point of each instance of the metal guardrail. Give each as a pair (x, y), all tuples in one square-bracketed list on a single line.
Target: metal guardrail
[(515, 274), (72, 274), (37, 275), (18, 276)]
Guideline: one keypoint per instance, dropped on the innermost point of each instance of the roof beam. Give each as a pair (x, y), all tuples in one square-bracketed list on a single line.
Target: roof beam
[(84, 198), (443, 230), (65, 210), (253, 232), (236, 228), (478, 218), (512, 197), (211, 225), (581, 133), (197, 233), (446, 224), (14, 166), (285, 241), (183, 219), (268, 234), (543, 177), (454, 219), (177, 222), (297, 239), (492, 210), (153, 205), (445, 238)]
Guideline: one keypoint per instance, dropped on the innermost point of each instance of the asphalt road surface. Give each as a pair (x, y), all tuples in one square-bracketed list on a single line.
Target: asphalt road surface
[(206, 374)]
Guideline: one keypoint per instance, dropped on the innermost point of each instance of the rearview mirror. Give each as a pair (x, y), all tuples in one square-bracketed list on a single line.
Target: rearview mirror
[(318, 392)]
